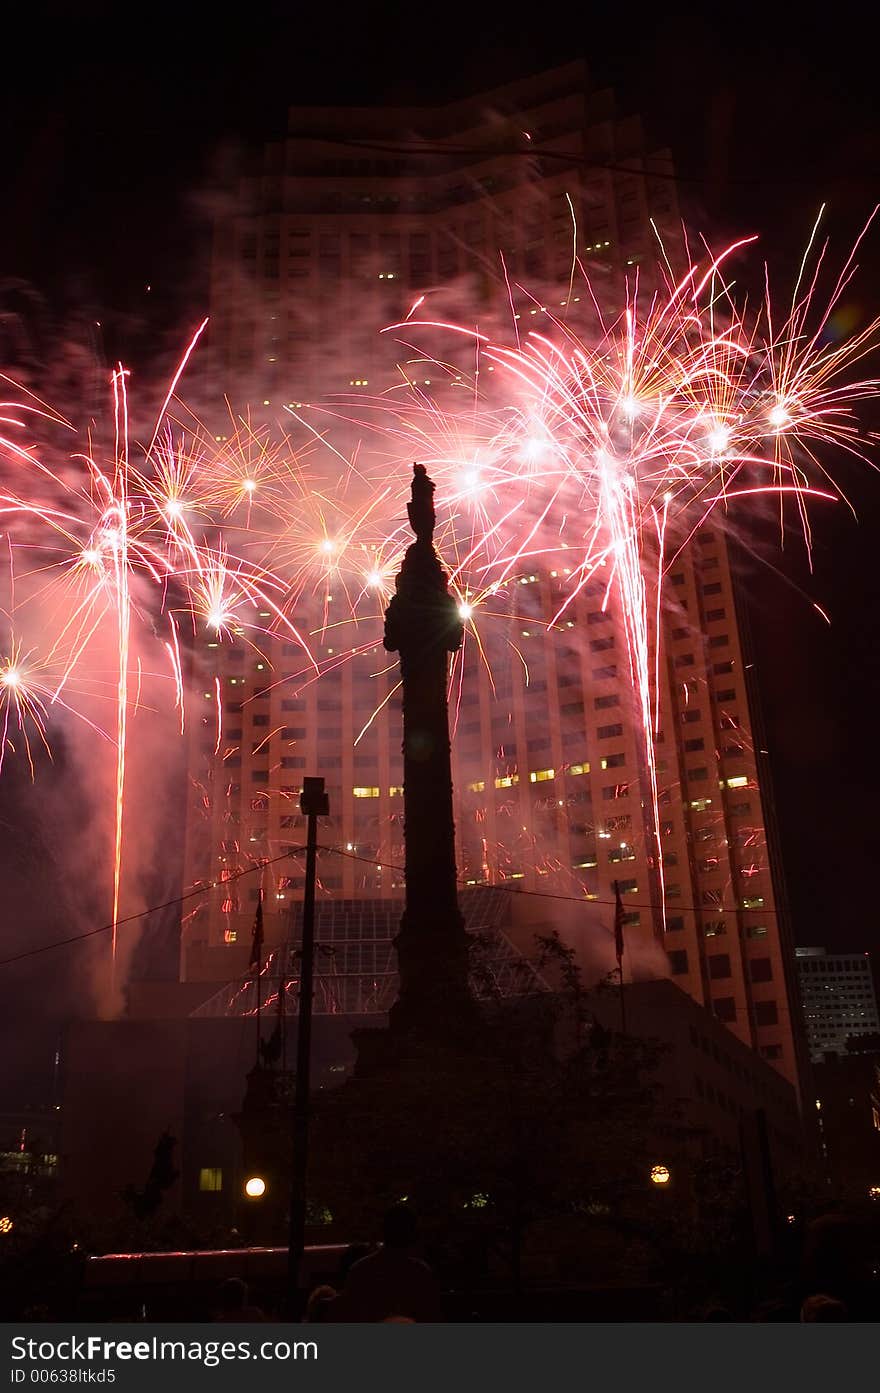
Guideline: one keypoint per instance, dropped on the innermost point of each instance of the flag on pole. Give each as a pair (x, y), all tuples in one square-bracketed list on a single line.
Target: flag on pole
[(618, 926), (257, 940)]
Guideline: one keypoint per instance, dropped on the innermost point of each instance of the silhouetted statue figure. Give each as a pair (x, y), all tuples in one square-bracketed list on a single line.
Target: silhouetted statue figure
[(420, 509), (423, 624)]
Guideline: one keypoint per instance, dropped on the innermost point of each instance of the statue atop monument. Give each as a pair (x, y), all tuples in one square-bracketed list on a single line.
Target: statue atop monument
[(420, 509), (422, 615)]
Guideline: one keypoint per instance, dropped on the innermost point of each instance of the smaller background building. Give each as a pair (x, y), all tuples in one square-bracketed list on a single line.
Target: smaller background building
[(837, 992)]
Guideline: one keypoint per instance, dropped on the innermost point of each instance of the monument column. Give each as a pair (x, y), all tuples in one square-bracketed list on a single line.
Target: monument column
[(422, 624)]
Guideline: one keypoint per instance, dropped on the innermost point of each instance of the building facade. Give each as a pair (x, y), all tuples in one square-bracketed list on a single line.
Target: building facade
[(839, 1002), (552, 791)]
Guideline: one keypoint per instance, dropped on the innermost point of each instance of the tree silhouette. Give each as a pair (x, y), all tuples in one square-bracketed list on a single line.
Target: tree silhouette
[(146, 1201), (548, 1115)]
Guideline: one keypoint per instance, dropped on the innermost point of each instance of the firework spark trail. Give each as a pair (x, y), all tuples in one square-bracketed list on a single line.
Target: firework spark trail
[(599, 445), (107, 530), (663, 419), (23, 701), (123, 609)]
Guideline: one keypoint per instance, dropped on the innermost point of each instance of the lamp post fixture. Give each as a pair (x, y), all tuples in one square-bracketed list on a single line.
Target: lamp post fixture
[(314, 803)]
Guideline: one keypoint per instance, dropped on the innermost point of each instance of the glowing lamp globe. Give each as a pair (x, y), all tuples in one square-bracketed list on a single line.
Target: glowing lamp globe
[(255, 1187), (660, 1175)]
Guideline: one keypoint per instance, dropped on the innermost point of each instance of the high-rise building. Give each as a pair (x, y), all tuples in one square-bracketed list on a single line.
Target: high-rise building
[(549, 767), (837, 992)]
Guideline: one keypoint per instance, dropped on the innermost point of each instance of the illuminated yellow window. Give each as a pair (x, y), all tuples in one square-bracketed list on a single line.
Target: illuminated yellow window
[(738, 781), (507, 781), (395, 791), (699, 805), (211, 1178), (477, 786), (540, 776), (365, 792), (579, 768), (230, 936)]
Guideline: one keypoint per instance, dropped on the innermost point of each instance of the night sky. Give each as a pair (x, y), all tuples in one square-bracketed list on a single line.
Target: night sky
[(120, 124)]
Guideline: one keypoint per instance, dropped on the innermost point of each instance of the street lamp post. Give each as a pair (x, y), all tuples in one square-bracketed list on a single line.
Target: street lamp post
[(314, 803)]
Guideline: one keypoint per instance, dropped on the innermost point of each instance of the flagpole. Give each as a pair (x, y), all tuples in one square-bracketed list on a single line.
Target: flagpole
[(257, 962), (259, 976), (282, 1013), (618, 950), (314, 803)]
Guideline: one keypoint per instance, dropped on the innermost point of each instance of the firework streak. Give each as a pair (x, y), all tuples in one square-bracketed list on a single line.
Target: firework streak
[(603, 440)]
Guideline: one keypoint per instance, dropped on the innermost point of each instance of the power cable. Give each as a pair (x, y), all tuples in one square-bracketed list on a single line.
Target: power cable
[(536, 152), (353, 856), (144, 913)]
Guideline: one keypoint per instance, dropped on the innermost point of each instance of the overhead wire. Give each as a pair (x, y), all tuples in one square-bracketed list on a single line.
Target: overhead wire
[(574, 157), (261, 865)]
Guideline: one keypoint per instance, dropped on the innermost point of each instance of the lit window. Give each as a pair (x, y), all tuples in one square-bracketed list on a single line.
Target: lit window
[(507, 781), (540, 776), (753, 902), (621, 853), (738, 781), (211, 1178), (477, 786), (699, 805), (230, 936), (579, 769), (365, 792), (395, 791)]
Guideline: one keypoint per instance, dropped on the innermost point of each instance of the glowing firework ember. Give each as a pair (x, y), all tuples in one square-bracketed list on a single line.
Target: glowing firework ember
[(597, 447)]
